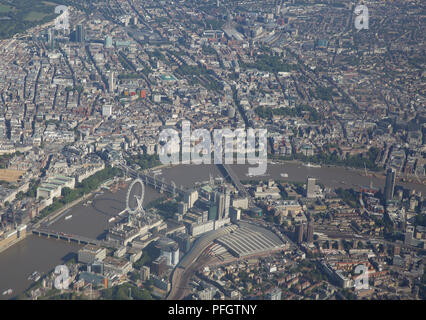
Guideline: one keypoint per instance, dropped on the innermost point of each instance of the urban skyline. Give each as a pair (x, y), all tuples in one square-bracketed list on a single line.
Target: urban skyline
[(327, 203)]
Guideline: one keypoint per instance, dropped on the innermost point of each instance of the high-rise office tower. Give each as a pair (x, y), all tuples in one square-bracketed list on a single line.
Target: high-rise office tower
[(111, 81), (390, 183), (190, 197), (159, 265), (310, 233), (79, 33), (212, 211), (408, 236), (182, 207), (310, 187), (145, 273), (220, 203), (51, 38), (300, 233), (227, 203)]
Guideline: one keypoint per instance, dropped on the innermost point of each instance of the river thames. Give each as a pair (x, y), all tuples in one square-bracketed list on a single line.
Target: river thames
[(91, 219)]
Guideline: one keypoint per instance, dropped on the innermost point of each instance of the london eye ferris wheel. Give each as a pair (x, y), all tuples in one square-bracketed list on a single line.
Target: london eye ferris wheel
[(135, 196)]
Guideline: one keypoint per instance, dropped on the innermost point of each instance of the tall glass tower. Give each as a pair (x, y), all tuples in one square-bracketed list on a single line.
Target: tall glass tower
[(390, 184), (79, 33)]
